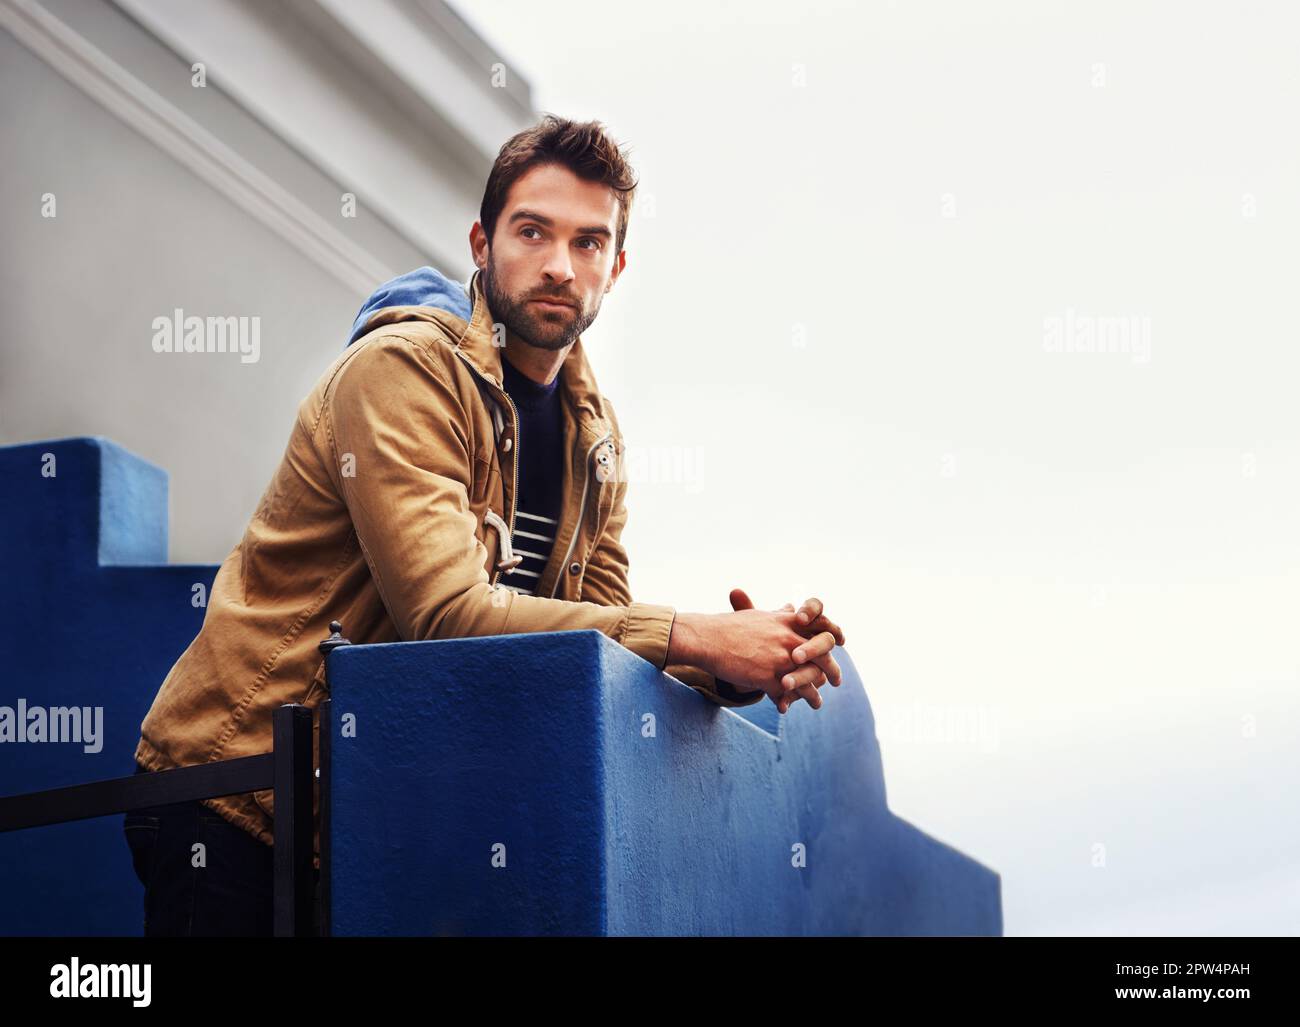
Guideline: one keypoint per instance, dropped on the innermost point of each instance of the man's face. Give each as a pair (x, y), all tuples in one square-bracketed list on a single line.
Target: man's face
[(553, 241)]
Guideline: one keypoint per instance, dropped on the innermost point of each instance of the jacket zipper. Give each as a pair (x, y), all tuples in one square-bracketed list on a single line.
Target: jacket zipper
[(582, 511), (514, 478)]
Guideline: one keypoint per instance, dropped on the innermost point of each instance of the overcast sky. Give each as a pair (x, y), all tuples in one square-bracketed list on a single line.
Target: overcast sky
[(979, 322)]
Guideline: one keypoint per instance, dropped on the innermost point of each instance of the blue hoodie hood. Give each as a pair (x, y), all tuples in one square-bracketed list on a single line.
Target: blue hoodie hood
[(423, 287)]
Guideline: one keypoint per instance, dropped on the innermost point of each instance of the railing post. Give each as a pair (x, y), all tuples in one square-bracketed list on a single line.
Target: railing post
[(323, 888), (293, 821), (335, 640)]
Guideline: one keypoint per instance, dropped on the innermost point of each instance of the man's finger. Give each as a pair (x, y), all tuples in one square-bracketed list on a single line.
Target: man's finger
[(810, 611), (739, 600), (830, 667), (806, 681), (807, 692), (818, 645), (818, 651), (824, 623), (808, 674)]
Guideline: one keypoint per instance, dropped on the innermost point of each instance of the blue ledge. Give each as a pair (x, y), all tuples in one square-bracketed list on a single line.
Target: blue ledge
[(526, 784), (558, 784)]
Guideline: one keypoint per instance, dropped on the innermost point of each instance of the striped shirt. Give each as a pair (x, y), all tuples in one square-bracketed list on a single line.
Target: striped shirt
[(539, 448)]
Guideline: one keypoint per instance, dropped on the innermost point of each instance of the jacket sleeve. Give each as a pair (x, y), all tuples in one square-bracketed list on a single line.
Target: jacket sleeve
[(606, 582), (393, 433)]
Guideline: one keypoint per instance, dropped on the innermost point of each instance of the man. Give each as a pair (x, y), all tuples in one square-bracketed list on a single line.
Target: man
[(455, 472)]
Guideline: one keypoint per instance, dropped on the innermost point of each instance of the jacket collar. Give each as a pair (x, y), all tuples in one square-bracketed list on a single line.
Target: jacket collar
[(577, 379)]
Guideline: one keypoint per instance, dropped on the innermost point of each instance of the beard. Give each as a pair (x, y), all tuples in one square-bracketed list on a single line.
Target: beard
[(545, 329)]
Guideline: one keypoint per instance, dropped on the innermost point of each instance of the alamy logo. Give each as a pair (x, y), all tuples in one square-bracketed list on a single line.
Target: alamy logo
[(1091, 333), (78, 724), (101, 980), (181, 334)]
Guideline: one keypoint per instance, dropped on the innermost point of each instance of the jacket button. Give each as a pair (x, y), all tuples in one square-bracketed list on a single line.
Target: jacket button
[(575, 567), (506, 443)]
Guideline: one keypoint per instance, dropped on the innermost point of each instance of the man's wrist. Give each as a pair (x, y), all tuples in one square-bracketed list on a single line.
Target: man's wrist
[(686, 640)]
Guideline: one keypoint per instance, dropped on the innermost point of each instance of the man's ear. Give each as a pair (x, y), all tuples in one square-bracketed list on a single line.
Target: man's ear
[(478, 245), (619, 262)]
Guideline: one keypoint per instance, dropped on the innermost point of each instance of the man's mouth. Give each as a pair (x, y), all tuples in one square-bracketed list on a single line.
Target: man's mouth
[(553, 304)]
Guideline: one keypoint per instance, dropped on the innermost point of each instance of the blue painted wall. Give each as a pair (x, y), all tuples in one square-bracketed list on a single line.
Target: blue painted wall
[(539, 743), (91, 615), (622, 802)]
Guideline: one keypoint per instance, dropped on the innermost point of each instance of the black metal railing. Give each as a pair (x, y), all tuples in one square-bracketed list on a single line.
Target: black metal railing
[(286, 770)]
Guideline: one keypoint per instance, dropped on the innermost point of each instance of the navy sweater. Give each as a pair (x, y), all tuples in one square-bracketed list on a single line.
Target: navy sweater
[(540, 452)]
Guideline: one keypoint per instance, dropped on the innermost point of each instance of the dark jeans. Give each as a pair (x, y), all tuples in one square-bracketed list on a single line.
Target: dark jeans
[(231, 894)]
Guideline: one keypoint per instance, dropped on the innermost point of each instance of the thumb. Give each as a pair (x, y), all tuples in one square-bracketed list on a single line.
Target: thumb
[(739, 600)]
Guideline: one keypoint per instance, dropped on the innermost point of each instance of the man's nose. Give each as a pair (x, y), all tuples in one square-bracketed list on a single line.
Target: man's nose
[(558, 268)]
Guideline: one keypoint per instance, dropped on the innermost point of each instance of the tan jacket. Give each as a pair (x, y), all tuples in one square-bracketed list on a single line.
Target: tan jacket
[(391, 512)]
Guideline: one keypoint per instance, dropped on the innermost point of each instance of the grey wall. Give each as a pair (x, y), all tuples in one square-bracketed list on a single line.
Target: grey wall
[(173, 196)]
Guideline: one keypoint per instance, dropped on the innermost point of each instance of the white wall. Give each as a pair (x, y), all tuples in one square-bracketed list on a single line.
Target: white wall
[(1071, 581)]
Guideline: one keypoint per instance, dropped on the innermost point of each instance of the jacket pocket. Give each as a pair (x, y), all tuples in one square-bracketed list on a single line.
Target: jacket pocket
[(141, 831)]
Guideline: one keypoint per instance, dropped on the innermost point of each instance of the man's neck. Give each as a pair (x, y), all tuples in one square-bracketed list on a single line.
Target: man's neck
[(533, 362)]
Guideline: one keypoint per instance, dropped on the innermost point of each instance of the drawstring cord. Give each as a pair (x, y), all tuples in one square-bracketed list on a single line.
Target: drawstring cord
[(509, 560)]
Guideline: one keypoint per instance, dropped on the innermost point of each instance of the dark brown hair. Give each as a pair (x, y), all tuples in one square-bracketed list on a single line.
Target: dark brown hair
[(582, 147)]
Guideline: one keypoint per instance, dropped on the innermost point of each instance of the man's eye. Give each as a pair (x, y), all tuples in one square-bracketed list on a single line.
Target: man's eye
[(530, 228), (595, 242)]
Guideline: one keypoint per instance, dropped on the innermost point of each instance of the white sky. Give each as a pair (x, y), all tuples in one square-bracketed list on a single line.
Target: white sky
[(838, 310)]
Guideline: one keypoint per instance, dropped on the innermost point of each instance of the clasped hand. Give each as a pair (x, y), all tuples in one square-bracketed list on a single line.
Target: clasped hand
[(810, 637)]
